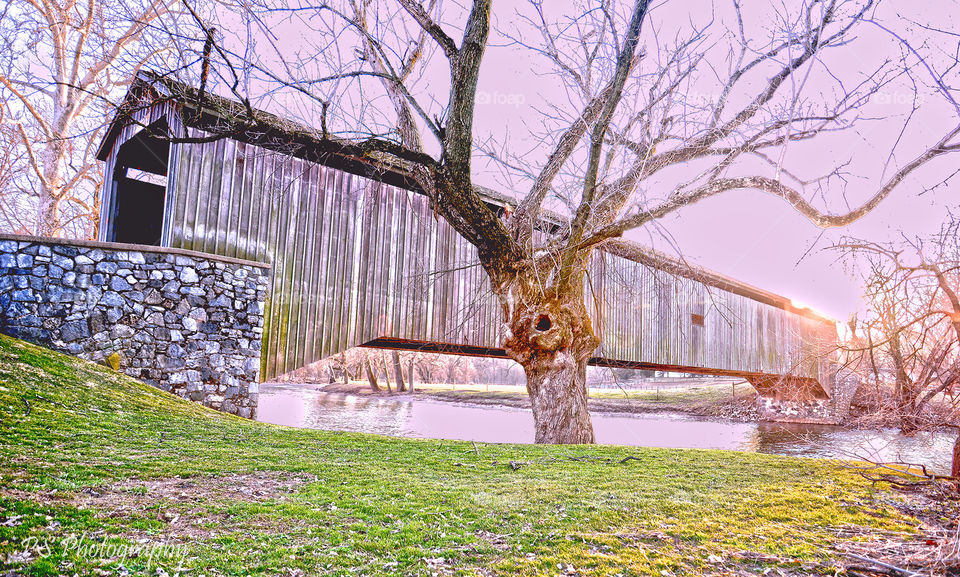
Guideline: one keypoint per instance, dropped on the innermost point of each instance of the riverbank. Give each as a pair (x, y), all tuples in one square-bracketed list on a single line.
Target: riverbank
[(103, 475), (732, 401)]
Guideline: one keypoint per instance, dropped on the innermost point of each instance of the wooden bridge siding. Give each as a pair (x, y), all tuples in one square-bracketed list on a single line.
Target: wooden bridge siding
[(648, 319), (355, 259)]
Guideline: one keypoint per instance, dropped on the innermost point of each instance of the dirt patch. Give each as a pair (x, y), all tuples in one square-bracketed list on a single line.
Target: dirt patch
[(189, 507), (137, 493), (497, 541)]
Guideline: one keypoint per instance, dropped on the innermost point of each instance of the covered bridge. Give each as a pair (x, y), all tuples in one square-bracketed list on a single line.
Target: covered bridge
[(359, 258)]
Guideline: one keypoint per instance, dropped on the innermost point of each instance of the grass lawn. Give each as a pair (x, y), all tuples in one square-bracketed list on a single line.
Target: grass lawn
[(103, 475)]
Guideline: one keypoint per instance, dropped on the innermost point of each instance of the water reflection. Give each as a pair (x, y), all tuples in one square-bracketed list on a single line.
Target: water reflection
[(400, 416), (935, 450)]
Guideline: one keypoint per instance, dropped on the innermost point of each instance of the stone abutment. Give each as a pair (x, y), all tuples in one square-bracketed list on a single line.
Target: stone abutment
[(185, 322)]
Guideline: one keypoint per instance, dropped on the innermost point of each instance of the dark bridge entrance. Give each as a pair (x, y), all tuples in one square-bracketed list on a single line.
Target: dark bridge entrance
[(138, 185)]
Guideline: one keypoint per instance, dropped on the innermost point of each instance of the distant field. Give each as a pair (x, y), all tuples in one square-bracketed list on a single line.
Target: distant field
[(699, 396)]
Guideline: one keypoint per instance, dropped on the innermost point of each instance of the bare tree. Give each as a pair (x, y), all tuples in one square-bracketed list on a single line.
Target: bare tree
[(398, 371), (386, 370), (62, 63), (371, 374), (908, 341), (625, 143), (12, 159)]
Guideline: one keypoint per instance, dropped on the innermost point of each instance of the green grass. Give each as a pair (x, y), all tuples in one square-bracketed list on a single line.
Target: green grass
[(379, 506), (706, 393), (697, 399)]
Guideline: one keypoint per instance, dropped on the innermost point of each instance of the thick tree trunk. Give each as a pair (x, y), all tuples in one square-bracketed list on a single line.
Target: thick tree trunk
[(552, 338), (49, 222), (558, 395)]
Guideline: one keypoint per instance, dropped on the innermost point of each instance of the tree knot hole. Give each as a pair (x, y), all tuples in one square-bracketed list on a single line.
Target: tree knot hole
[(543, 323)]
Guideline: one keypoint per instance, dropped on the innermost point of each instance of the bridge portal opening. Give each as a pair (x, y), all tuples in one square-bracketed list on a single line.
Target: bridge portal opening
[(139, 182)]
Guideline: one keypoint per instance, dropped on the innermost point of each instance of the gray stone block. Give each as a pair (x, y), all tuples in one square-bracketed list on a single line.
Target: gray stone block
[(66, 250), (106, 267), (188, 275), (114, 314), (24, 296), (131, 257), (220, 301), (35, 321), (112, 299), (121, 332), (32, 334), (74, 331), (63, 262), (119, 284)]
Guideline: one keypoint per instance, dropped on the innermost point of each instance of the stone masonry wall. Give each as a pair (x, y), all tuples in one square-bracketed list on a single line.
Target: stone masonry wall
[(832, 411), (814, 411), (185, 322)]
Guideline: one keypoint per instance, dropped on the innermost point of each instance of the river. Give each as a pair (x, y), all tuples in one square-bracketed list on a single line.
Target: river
[(307, 406)]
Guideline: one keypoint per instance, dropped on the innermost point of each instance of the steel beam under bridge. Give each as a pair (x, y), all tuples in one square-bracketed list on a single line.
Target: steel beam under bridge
[(780, 387)]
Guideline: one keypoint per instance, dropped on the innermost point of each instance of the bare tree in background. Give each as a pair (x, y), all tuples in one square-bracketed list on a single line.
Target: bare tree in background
[(62, 62), (398, 371), (908, 342), (625, 143), (12, 162)]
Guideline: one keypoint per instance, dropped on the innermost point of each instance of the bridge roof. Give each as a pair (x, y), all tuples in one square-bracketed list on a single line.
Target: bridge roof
[(228, 118)]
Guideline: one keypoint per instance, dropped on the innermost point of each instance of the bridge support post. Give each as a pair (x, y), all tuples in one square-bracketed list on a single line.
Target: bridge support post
[(805, 400)]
